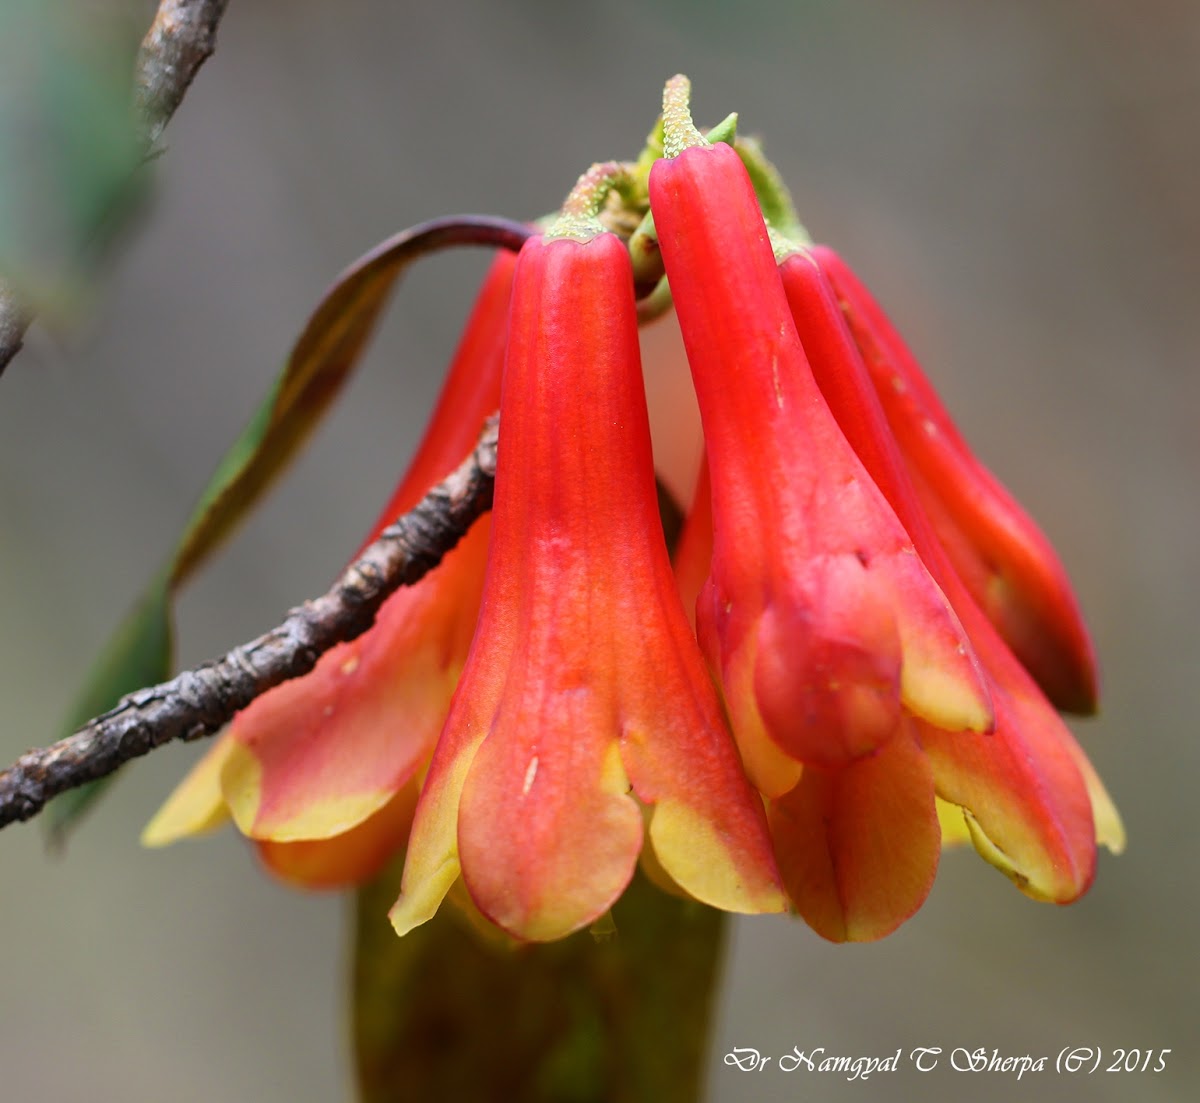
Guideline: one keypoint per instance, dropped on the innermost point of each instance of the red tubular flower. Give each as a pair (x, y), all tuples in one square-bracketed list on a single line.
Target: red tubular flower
[(818, 614), (1006, 562), (874, 605), (857, 846), (321, 770), (1033, 804), (585, 707)]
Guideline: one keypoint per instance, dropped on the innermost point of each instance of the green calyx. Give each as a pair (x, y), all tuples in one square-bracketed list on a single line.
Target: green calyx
[(644, 252), (784, 245), (613, 195), (579, 218), (773, 195), (725, 131)]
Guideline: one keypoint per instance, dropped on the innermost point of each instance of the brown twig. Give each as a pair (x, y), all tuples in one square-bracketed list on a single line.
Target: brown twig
[(200, 702), (181, 38)]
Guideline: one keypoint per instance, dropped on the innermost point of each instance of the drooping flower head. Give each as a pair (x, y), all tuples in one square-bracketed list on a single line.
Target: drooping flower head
[(585, 725), (882, 623), (1009, 567), (780, 380)]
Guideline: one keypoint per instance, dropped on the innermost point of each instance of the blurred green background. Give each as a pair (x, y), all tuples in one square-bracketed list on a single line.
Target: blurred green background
[(1018, 184)]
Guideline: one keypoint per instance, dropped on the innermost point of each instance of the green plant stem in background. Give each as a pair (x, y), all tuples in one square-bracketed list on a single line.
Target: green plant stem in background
[(623, 1017)]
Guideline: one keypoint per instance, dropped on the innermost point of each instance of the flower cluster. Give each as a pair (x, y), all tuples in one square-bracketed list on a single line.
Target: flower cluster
[(880, 637)]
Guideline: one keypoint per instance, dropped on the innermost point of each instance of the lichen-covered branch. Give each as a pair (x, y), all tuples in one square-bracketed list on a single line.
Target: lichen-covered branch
[(181, 38), (200, 702)]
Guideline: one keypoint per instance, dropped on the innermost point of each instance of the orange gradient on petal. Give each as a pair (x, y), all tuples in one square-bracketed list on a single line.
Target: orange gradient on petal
[(858, 846), (349, 859), (318, 755)]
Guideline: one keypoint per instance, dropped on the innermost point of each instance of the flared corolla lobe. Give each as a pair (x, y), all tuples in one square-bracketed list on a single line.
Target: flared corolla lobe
[(585, 717)]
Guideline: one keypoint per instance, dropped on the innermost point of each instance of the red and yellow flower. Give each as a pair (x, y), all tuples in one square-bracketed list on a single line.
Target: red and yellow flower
[(585, 725), (885, 629), (807, 651), (1031, 802)]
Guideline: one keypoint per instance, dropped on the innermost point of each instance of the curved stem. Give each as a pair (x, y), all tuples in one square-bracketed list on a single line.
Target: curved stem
[(440, 233), (654, 305), (320, 361)]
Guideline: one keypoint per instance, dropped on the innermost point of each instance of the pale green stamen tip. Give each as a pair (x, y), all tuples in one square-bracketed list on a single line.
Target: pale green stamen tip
[(604, 927), (679, 132), (580, 215)]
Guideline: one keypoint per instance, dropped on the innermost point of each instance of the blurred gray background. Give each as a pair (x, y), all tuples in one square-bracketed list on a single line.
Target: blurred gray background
[(1017, 182)]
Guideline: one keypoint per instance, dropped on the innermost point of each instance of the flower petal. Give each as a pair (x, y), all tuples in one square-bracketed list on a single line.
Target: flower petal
[(196, 807), (548, 834), (431, 865), (470, 393), (953, 822), (1029, 810), (318, 755), (584, 687), (1007, 563), (941, 676), (707, 827), (1024, 787), (349, 859), (858, 846), (693, 551)]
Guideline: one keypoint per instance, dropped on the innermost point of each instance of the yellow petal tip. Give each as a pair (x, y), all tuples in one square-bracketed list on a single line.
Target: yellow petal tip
[(419, 903), (946, 699), (695, 856), (196, 807)]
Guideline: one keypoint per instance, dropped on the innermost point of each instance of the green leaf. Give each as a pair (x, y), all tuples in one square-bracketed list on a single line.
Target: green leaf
[(445, 1013), (139, 654)]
